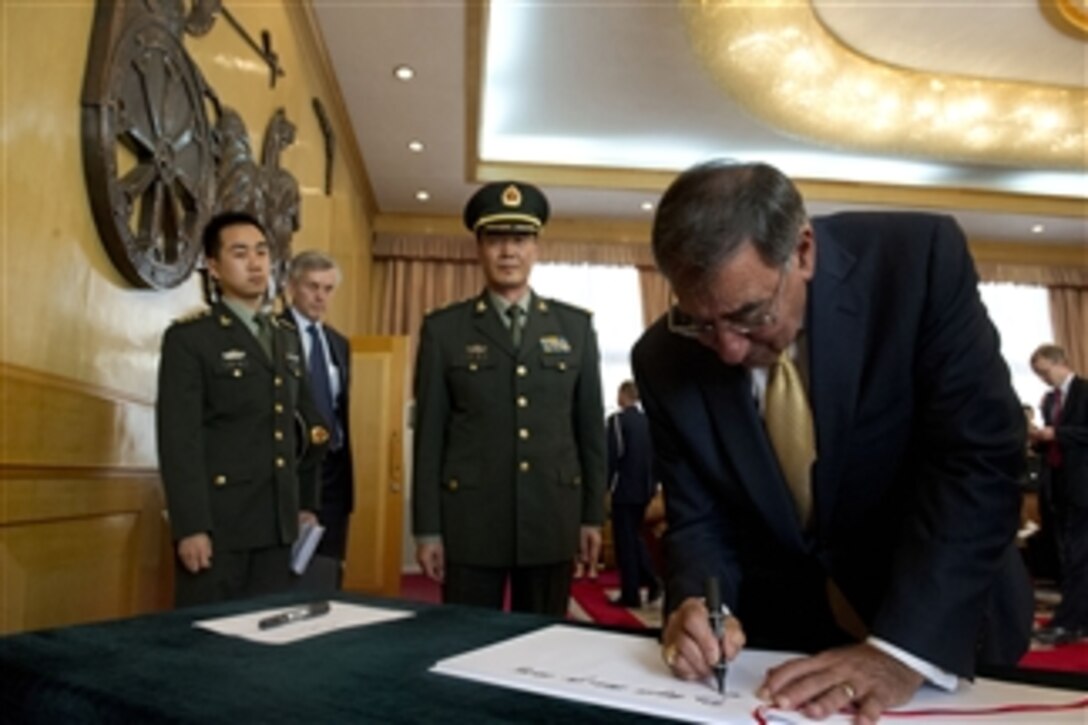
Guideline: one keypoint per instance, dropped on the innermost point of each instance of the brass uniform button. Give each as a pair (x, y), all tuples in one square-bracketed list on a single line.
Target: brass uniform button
[(522, 371), (473, 367), (277, 381), (278, 435), (237, 373), (523, 434), (280, 463), (523, 402), (523, 466), (453, 484), (220, 480), (562, 365), (278, 407)]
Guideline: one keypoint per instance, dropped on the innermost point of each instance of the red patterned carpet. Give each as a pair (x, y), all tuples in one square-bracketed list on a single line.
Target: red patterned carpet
[(589, 602)]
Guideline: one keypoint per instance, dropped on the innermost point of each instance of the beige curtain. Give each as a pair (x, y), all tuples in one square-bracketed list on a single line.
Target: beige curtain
[(1038, 275), (655, 294), (1069, 319)]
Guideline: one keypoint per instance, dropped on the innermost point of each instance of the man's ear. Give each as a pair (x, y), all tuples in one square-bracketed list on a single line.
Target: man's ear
[(806, 252)]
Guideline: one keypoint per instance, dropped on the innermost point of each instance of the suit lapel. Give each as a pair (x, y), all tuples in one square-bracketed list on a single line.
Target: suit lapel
[(539, 323), (240, 335), (739, 428), (834, 333), (485, 319), (1077, 390)]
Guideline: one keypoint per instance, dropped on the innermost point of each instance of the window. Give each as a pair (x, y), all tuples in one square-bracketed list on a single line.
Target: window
[(612, 294), (1022, 317)]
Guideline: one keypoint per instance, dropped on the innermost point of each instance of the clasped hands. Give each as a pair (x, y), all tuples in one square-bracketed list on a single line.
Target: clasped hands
[(858, 675)]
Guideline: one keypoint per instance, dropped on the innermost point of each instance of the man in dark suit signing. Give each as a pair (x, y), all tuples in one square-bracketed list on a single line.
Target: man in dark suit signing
[(312, 279), (838, 442), (239, 438), (631, 485), (1063, 444), (508, 479)]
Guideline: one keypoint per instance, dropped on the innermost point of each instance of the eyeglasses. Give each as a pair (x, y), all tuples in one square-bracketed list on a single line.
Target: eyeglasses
[(745, 322)]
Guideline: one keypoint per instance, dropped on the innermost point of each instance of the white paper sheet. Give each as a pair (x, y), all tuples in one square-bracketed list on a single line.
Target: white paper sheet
[(309, 536), (340, 616), (626, 672)]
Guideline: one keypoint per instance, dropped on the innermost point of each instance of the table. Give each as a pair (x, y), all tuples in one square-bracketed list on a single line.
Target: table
[(160, 669)]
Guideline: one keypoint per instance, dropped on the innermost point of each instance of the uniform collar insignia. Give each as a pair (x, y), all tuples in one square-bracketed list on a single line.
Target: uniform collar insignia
[(554, 344), (481, 307), (542, 305), (225, 320)]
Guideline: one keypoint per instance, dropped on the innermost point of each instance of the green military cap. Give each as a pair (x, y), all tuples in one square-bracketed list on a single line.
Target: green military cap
[(509, 206)]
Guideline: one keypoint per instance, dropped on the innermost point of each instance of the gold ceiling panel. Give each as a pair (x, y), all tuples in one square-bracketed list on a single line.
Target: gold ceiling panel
[(778, 60)]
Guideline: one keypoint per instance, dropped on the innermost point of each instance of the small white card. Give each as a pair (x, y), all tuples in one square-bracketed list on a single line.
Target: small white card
[(340, 616)]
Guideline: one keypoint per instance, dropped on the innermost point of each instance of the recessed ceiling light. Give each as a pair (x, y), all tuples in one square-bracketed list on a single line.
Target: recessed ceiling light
[(422, 195), (647, 206), (1037, 229), (404, 73), (415, 146)]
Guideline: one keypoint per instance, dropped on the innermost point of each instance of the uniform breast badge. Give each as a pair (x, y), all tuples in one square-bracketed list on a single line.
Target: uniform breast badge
[(552, 344)]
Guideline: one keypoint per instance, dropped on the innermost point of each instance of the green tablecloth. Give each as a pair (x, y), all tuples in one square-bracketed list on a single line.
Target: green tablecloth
[(159, 668)]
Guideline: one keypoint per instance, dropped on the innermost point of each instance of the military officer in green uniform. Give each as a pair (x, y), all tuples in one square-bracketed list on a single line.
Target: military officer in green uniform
[(239, 438), (509, 460)]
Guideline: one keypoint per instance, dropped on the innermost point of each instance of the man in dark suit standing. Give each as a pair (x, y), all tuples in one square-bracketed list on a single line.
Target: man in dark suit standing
[(838, 442), (1063, 444), (631, 484), (508, 479), (312, 279), (239, 439)]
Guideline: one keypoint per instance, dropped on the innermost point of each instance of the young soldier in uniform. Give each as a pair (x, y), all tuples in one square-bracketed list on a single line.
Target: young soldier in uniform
[(239, 439), (509, 446)]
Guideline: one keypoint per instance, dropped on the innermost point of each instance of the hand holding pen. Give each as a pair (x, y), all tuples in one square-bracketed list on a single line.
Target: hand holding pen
[(690, 648)]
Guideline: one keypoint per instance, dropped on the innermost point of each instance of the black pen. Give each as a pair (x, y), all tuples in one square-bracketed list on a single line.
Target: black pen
[(306, 611), (717, 623)]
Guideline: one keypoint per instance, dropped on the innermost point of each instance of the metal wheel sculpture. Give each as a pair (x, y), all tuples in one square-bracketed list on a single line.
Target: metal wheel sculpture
[(149, 153)]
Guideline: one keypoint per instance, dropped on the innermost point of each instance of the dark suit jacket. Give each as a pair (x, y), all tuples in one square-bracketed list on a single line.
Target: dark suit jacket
[(337, 470), (238, 449), (1071, 432), (509, 445), (920, 443), (630, 457)]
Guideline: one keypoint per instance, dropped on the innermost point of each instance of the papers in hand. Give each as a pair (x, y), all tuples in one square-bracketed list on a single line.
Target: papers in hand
[(305, 545)]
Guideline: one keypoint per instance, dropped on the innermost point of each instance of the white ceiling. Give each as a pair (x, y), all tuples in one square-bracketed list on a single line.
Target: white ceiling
[(579, 91)]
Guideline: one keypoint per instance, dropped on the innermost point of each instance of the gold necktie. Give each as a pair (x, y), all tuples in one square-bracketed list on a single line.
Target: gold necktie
[(789, 425)]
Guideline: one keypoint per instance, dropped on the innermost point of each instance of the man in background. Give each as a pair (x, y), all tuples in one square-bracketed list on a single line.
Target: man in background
[(1063, 445), (312, 279), (631, 485), (838, 442), (239, 439), (508, 479)]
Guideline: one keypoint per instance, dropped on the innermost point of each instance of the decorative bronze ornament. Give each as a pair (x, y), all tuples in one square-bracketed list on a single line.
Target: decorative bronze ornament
[(330, 142), (148, 153), (266, 191), (155, 168)]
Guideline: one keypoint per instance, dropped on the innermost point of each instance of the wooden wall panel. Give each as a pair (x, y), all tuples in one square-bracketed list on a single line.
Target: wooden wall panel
[(82, 534)]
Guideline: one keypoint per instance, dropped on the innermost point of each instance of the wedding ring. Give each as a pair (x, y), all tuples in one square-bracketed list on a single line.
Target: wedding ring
[(669, 653), (849, 690)]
